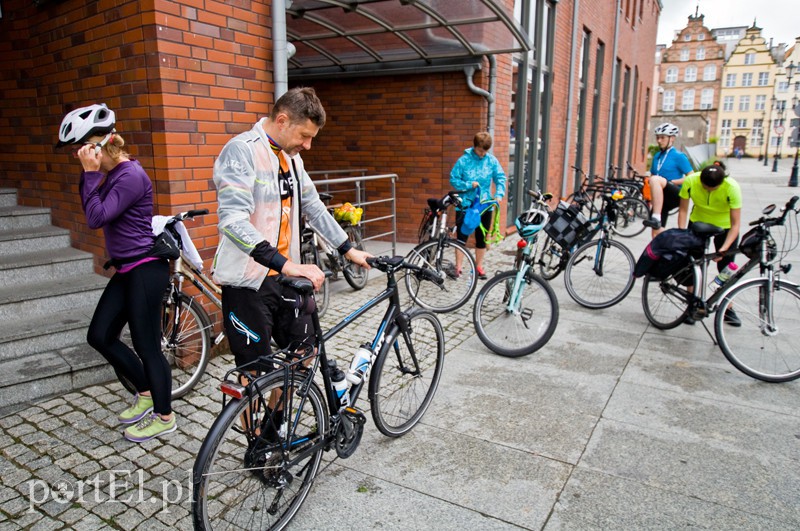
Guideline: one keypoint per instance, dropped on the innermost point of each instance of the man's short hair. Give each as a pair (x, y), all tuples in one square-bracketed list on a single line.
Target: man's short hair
[(482, 140), (300, 104)]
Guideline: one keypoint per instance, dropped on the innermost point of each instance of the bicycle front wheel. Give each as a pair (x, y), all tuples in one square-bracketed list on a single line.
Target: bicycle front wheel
[(355, 275), (458, 286), (551, 259), (407, 373), (523, 328), (256, 465), (765, 347), (666, 301), (599, 274), (631, 213)]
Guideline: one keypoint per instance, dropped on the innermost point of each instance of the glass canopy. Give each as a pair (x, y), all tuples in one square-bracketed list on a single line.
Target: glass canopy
[(364, 36)]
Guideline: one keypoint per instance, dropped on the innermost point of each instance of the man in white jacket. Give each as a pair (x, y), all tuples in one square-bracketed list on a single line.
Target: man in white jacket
[(262, 190)]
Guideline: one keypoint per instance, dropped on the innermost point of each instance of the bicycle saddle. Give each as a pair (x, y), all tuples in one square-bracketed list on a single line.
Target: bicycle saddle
[(706, 230), (299, 284)]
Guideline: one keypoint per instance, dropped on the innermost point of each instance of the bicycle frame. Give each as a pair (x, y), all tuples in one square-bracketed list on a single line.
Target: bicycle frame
[(183, 269)]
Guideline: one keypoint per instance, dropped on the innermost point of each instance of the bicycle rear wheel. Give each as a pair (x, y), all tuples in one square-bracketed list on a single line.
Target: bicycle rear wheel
[(526, 328), (407, 373), (765, 347), (551, 259), (457, 288), (248, 473), (631, 212), (599, 274), (666, 301), (185, 343), (355, 275)]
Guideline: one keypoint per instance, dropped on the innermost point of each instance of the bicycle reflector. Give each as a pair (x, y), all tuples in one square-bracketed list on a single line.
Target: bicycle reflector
[(232, 389), (521, 244)]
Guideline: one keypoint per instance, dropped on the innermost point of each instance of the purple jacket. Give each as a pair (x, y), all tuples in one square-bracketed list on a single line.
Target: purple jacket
[(122, 206)]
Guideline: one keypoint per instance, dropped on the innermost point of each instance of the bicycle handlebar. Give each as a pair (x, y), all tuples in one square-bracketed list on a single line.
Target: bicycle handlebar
[(391, 264), (779, 220)]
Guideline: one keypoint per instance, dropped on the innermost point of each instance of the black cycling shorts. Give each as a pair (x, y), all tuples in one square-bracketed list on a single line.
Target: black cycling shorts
[(251, 317)]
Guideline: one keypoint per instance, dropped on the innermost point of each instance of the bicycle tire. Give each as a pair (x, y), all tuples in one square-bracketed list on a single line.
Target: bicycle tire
[(456, 289), (667, 301), (188, 351), (309, 254), (762, 348), (551, 259), (631, 213), (240, 475), (406, 374), (600, 290), (354, 274), (521, 332)]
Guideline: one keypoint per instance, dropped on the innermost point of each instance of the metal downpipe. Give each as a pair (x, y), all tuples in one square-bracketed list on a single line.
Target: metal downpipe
[(280, 56), (488, 95)]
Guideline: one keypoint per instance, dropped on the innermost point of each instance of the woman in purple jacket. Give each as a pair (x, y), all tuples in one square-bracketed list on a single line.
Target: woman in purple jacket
[(117, 196)]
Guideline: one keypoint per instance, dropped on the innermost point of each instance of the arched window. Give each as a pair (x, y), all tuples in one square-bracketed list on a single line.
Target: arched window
[(690, 74), (710, 73), (672, 75)]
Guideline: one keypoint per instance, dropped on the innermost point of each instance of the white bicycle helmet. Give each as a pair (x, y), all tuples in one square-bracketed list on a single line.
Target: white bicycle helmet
[(667, 129), (85, 122)]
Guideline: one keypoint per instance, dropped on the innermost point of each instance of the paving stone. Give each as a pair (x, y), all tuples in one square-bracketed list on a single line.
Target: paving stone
[(73, 514), (21, 429), (90, 523), (70, 461), (10, 421), (46, 524)]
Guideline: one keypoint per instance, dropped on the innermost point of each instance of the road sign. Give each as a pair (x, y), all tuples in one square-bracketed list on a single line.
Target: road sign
[(779, 129)]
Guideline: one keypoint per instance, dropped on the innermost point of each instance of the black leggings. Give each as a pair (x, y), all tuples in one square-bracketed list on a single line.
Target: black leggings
[(135, 298)]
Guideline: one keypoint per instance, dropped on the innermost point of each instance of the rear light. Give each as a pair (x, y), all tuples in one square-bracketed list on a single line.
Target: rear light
[(521, 244), (232, 389)]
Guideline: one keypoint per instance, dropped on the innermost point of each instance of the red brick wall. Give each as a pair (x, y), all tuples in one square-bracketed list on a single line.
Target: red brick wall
[(182, 77), (415, 126)]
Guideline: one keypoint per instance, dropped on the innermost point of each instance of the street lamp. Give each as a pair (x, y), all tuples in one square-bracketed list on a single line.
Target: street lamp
[(764, 130), (774, 102), (789, 75)]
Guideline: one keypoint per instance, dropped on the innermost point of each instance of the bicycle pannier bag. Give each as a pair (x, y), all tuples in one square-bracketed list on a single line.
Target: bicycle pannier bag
[(567, 225), (472, 216)]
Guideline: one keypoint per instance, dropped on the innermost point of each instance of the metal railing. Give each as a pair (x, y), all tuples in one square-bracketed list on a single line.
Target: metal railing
[(357, 196)]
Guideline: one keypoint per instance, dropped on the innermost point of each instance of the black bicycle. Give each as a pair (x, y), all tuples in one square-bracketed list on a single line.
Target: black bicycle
[(258, 462)]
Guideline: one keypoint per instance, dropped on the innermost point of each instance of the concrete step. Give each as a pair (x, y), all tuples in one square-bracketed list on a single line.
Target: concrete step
[(38, 266), (54, 331), (22, 217), (29, 379), (43, 298), (8, 197), (18, 241)]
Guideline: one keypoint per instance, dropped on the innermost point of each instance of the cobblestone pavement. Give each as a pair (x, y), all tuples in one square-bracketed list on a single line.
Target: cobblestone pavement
[(613, 425)]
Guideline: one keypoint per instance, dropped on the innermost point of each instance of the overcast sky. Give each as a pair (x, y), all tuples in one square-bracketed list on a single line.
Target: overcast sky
[(778, 19)]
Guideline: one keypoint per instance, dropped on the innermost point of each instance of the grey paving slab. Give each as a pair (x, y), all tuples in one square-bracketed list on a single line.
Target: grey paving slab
[(611, 425)]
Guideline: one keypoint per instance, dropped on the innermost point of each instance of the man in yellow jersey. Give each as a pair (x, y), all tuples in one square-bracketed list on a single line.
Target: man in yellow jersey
[(262, 189)]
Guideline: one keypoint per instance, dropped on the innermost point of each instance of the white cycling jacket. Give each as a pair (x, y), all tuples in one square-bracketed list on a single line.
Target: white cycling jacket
[(246, 177)]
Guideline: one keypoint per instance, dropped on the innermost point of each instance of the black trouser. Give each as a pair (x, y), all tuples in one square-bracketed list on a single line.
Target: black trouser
[(480, 237), (719, 241), (135, 298)]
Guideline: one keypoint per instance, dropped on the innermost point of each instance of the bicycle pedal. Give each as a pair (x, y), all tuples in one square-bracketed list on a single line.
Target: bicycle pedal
[(354, 415)]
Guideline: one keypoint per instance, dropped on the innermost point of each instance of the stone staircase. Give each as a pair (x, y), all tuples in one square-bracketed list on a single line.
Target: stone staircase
[(48, 292)]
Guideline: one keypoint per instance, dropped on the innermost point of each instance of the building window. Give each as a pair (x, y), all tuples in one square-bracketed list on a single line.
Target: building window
[(747, 79), (757, 133), (763, 79), (741, 123), (761, 103), (687, 37), (701, 36), (687, 101), (707, 98), (672, 75), (727, 103), (690, 74), (710, 73), (750, 58), (783, 86), (685, 54), (700, 54), (730, 80), (725, 133), (744, 103), (668, 102)]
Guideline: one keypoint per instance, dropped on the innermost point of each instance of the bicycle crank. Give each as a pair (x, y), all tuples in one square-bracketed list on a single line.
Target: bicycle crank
[(348, 431)]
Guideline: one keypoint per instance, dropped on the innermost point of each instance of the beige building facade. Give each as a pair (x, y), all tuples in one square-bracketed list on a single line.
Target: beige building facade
[(746, 117)]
